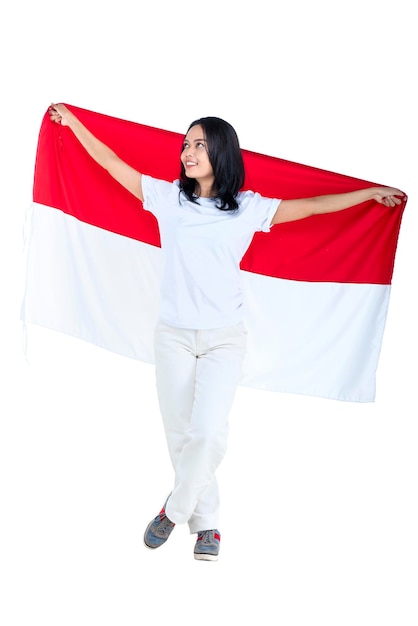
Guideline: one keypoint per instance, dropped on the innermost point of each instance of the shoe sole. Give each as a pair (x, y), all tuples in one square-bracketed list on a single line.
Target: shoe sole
[(205, 557)]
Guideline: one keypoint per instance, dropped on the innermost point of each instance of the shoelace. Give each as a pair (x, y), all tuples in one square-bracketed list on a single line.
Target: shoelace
[(207, 536), (164, 524)]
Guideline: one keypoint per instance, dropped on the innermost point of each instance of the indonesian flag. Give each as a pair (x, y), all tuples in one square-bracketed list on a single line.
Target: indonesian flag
[(316, 291)]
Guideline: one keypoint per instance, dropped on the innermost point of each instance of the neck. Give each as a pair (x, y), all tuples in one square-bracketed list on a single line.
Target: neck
[(204, 190)]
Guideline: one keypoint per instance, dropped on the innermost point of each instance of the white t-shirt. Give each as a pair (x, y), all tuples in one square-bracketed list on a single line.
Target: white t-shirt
[(202, 248)]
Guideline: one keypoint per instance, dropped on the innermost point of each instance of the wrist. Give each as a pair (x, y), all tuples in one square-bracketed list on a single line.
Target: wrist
[(368, 194), (69, 119)]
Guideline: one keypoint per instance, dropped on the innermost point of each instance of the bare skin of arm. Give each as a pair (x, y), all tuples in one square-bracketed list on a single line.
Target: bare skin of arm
[(126, 175), (290, 210)]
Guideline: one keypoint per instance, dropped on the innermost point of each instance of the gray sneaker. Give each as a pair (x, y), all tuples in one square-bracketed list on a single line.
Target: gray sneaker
[(207, 545), (158, 530)]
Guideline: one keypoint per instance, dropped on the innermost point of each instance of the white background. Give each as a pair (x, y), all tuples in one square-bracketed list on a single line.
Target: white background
[(319, 512)]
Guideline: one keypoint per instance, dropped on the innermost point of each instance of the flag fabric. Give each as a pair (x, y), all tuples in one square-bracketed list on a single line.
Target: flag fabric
[(316, 291)]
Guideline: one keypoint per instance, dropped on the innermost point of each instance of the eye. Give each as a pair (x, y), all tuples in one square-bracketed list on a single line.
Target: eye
[(200, 144)]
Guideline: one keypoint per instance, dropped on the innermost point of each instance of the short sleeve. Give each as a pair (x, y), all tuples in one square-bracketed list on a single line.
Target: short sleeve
[(271, 212), (155, 193), (259, 210)]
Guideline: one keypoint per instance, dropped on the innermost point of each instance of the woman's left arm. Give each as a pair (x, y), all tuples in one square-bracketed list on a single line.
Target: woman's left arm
[(290, 210)]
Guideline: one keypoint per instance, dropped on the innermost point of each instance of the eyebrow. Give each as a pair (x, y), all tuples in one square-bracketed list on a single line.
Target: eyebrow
[(185, 139)]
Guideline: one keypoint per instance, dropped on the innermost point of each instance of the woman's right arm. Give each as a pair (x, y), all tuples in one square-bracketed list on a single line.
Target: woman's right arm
[(126, 175)]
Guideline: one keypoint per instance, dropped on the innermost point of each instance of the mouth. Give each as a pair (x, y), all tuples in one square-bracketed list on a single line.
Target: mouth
[(190, 164)]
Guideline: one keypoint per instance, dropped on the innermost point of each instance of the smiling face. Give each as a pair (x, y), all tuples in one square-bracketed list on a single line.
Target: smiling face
[(196, 161)]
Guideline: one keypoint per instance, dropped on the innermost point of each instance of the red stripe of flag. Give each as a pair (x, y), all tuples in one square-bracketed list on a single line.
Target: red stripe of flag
[(354, 246)]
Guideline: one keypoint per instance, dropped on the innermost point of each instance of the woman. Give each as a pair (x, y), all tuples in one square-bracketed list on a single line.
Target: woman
[(206, 224)]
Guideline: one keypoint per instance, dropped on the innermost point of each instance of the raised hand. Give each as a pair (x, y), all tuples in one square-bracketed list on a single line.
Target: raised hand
[(58, 114), (389, 196)]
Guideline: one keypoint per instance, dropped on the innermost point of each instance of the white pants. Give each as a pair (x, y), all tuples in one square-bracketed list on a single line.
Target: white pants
[(197, 375)]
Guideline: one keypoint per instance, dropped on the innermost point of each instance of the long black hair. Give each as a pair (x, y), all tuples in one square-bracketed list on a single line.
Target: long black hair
[(226, 160)]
